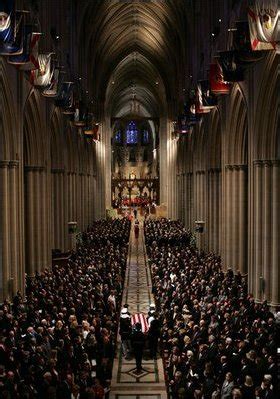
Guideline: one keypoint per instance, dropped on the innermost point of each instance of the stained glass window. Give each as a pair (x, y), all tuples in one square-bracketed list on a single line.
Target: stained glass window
[(131, 133)]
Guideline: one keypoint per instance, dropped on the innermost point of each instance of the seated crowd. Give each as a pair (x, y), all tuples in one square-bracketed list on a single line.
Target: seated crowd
[(217, 342), (59, 341)]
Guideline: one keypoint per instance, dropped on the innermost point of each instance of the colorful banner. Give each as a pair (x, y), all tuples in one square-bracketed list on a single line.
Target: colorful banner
[(7, 15), (80, 115), (21, 58), (205, 99), (65, 98), (216, 79), (264, 24), (183, 126), (232, 70), (91, 129), (12, 42), (42, 76), (52, 89), (28, 60), (242, 44)]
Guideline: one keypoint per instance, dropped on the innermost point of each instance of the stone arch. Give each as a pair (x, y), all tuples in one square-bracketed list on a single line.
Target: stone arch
[(267, 121), (212, 155), (214, 139), (35, 143), (8, 124), (71, 156), (57, 140), (237, 132), (36, 200), (234, 183), (265, 179), (200, 141)]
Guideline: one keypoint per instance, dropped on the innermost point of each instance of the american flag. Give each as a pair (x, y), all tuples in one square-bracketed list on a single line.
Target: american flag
[(140, 318)]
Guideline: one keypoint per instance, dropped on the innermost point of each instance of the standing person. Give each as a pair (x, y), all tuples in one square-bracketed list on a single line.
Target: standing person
[(125, 331), (136, 229), (138, 343), (227, 387), (153, 336)]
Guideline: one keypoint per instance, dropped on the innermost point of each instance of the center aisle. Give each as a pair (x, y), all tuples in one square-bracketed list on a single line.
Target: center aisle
[(126, 384)]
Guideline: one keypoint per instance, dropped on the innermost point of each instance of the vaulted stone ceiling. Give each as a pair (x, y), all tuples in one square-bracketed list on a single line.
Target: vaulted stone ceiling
[(134, 49)]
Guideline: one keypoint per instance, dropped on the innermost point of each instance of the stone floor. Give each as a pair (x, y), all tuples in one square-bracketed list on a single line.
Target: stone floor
[(126, 384)]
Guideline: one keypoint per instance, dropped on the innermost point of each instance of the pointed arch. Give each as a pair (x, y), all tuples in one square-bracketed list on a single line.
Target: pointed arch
[(57, 140), (237, 132), (8, 122), (214, 139), (267, 121), (34, 131)]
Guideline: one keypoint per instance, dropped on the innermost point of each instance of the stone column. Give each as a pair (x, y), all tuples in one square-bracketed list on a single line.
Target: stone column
[(44, 222), (267, 227), (66, 202), (94, 197), (210, 203), (14, 225), (275, 275), (216, 209), (62, 210), (235, 218), (4, 212), (243, 218), (30, 221), (258, 229)]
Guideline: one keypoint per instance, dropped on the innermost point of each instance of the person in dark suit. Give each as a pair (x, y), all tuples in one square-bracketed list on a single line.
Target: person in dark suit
[(125, 331), (138, 343), (153, 335)]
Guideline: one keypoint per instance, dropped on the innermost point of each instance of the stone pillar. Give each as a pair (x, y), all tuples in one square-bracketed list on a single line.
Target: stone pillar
[(235, 217), (66, 202), (210, 210), (44, 222), (30, 221), (267, 227), (275, 275), (4, 212), (217, 210), (229, 216), (243, 220), (14, 225), (258, 230), (62, 210)]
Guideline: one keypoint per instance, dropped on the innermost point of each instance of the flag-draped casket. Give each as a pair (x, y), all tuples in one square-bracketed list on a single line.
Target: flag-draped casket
[(140, 318)]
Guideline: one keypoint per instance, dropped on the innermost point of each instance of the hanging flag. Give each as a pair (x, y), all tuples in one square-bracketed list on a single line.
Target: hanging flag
[(7, 16), (190, 108), (42, 76), (12, 42), (182, 125), (80, 114), (264, 24), (28, 60), (91, 128), (232, 70), (242, 44), (205, 99), (96, 135), (52, 89), (21, 58), (216, 79), (65, 98)]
